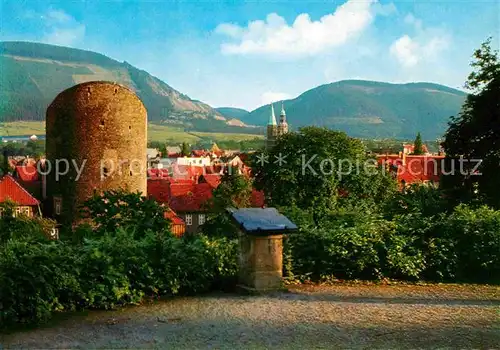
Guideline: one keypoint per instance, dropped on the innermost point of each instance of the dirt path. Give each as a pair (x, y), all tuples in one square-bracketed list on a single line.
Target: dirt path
[(343, 316)]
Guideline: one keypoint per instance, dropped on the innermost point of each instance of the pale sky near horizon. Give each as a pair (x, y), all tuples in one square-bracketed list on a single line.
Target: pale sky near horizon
[(248, 53)]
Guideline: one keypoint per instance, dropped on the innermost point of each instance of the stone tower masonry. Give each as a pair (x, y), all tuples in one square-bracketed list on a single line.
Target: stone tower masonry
[(100, 128)]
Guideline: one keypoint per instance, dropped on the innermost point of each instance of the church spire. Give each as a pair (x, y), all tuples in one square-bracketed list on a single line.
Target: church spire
[(283, 125), (272, 117)]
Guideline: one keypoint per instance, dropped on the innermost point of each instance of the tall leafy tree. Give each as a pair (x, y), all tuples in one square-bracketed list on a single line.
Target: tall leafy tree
[(418, 148), (313, 168), (473, 136), (117, 209)]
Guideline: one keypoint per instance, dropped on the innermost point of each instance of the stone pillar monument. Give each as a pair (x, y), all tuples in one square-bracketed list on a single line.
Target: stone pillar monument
[(261, 247)]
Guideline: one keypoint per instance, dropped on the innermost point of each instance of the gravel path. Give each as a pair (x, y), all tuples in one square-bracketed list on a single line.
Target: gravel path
[(342, 316)]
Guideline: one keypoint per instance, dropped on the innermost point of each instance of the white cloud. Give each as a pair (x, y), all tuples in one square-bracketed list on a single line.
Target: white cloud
[(65, 36), (270, 97), (304, 37), (405, 50), (62, 29), (59, 16), (424, 46)]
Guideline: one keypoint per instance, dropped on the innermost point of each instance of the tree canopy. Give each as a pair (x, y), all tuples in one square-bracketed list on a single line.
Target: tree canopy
[(316, 168), (471, 141)]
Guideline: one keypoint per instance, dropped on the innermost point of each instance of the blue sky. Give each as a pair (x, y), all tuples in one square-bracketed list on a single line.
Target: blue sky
[(247, 53)]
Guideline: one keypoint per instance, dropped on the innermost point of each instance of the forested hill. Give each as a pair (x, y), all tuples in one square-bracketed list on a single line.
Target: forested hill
[(32, 74), (372, 109)]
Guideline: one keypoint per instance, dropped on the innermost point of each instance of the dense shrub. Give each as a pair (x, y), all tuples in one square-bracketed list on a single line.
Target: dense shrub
[(38, 278), (35, 280), (369, 250), (463, 246), (106, 268)]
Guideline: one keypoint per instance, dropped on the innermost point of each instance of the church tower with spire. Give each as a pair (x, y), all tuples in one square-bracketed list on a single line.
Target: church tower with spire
[(272, 129), (283, 125)]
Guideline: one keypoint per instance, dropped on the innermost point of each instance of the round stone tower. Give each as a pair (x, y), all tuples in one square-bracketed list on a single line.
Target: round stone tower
[(96, 136)]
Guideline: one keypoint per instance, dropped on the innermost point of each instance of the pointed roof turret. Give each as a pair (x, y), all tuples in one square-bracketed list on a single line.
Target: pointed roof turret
[(272, 117), (283, 113)]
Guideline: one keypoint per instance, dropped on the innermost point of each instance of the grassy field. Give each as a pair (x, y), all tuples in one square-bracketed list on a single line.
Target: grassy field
[(155, 133)]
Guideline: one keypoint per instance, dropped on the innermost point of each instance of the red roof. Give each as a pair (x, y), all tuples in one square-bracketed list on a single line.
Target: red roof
[(159, 190), (199, 153), (158, 173), (212, 179), (192, 201), (170, 214), (420, 169), (27, 173), (10, 189)]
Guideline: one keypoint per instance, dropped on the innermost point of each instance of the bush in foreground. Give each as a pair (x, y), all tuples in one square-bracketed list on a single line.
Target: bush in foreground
[(39, 278)]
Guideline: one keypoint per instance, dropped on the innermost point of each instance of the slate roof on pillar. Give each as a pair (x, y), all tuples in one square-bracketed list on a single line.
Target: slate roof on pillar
[(262, 220)]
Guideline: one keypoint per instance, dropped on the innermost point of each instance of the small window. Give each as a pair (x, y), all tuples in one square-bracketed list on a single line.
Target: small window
[(189, 219), (18, 211), (26, 211), (201, 219)]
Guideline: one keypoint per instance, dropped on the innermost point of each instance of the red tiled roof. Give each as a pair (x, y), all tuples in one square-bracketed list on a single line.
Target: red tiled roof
[(420, 169), (10, 189), (27, 173), (170, 214), (212, 179), (158, 173), (159, 190), (180, 189), (192, 201)]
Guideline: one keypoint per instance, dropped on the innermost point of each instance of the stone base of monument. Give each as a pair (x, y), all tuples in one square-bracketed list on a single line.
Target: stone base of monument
[(261, 233)]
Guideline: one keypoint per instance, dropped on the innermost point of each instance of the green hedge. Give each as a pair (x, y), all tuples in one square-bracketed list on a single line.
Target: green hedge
[(40, 277), (463, 246)]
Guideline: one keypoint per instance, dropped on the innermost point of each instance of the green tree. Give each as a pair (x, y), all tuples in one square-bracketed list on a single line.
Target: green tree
[(418, 148), (472, 136), (234, 190), (185, 149), (313, 168), (120, 209)]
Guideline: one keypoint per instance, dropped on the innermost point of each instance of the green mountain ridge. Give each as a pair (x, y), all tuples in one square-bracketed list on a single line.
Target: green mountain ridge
[(233, 112), (372, 109), (32, 74)]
